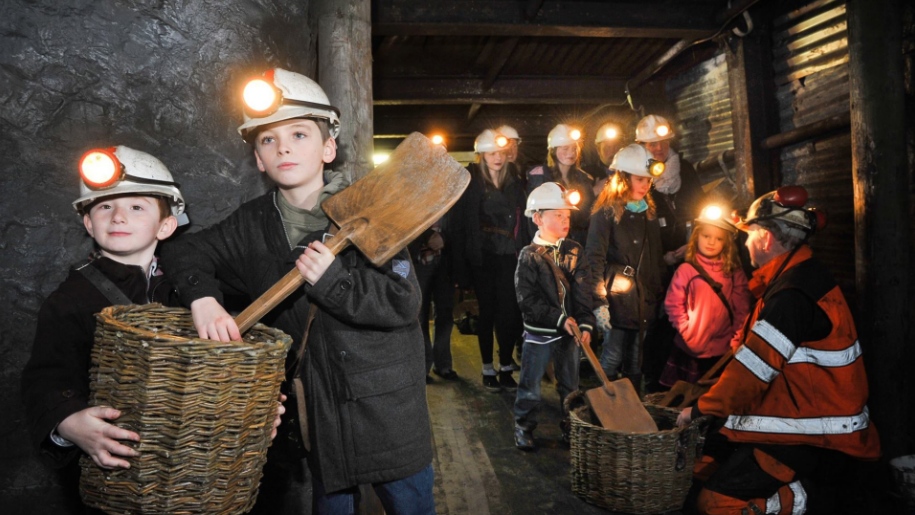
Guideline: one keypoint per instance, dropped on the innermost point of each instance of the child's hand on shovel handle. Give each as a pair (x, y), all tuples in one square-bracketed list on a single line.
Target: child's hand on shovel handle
[(581, 338)]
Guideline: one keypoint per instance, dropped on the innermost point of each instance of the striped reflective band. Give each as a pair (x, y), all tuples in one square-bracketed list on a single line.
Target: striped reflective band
[(827, 358), (799, 505), (799, 426), (775, 338), (755, 364)]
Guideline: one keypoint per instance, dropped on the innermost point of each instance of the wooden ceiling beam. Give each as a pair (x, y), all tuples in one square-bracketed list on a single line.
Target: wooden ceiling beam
[(530, 90), (582, 18)]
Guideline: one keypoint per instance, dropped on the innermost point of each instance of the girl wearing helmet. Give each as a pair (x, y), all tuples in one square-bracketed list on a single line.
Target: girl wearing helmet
[(707, 300), (492, 233), (563, 165), (624, 256)]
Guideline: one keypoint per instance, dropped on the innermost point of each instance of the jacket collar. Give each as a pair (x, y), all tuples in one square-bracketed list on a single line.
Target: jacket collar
[(765, 274)]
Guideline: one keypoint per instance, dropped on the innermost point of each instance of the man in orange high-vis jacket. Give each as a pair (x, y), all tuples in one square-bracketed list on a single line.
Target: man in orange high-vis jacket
[(796, 390)]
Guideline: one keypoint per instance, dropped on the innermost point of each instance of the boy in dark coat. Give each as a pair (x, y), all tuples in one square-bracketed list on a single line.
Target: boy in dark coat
[(549, 283), (363, 372)]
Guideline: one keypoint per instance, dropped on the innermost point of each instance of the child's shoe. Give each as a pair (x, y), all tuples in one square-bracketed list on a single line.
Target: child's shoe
[(507, 381), (491, 383), (524, 439)]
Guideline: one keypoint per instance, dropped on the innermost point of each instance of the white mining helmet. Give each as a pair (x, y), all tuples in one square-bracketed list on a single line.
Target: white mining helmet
[(509, 132), (551, 195), (561, 135), (714, 215), (607, 132), (489, 141), (653, 128), (121, 170), (283, 95), (636, 160)]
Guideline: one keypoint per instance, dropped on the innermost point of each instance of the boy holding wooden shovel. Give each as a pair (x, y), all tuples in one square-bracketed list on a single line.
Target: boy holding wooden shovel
[(363, 370), (549, 284)]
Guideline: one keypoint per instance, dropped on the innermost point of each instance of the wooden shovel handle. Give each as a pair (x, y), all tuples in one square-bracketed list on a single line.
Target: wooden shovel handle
[(289, 283), (595, 364), (704, 380)]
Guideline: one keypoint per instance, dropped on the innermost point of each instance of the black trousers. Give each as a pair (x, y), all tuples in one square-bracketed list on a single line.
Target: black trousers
[(494, 284)]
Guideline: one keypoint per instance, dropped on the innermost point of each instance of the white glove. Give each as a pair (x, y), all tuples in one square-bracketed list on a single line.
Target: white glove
[(602, 314)]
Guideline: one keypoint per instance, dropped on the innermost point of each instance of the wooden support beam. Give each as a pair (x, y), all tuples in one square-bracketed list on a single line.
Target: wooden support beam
[(535, 90), (472, 112), (653, 67), (809, 131), (882, 216), (753, 113), (503, 54), (345, 73), (588, 18)]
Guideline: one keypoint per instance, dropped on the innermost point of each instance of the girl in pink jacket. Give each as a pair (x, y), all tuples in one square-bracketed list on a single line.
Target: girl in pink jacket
[(707, 301)]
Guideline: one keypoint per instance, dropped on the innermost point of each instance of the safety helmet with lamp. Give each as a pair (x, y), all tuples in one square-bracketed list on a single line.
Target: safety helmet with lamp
[(551, 195), (121, 170), (283, 95), (489, 141), (653, 128), (607, 132), (509, 132), (716, 216), (786, 205), (636, 160), (562, 134)]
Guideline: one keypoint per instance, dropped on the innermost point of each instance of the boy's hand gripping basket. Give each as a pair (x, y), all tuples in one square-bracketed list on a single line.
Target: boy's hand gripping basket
[(633, 473), (204, 411)]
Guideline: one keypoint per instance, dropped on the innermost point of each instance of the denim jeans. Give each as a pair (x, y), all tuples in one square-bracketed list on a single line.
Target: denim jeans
[(620, 347), (409, 496), (534, 361)]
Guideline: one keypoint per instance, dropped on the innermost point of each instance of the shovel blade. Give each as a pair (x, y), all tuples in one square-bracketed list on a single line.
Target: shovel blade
[(617, 407), (399, 199)]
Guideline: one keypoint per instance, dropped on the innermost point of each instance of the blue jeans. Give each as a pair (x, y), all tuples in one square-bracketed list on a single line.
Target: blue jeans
[(620, 347), (534, 360), (409, 496)]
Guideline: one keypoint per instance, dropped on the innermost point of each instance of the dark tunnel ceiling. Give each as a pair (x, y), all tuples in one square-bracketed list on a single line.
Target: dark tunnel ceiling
[(461, 66)]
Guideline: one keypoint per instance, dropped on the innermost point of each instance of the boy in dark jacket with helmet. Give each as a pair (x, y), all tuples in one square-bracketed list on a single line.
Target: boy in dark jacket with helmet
[(363, 370), (549, 284)]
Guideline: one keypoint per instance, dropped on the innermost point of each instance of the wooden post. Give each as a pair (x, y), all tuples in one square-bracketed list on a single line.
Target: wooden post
[(753, 113), (345, 72), (882, 230)]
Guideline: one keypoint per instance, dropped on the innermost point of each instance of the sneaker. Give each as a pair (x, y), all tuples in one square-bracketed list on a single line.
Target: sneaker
[(524, 439), (491, 383), (507, 381), (449, 374)]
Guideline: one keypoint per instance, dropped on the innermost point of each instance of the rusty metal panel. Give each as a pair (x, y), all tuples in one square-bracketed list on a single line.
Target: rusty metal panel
[(702, 111), (810, 62)]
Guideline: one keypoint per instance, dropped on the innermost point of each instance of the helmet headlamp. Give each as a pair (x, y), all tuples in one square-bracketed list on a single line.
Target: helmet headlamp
[(261, 98), (655, 167), (610, 133), (573, 196), (575, 134), (100, 169), (501, 141), (662, 130)]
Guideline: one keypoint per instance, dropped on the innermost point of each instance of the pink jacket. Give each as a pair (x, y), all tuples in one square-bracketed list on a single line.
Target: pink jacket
[(697, 313)]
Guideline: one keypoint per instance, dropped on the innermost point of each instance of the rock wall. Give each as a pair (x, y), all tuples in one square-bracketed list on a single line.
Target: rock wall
[(159, 76)]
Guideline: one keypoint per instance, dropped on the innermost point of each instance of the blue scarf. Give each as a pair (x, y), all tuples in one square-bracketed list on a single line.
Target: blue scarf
[(637, 207)]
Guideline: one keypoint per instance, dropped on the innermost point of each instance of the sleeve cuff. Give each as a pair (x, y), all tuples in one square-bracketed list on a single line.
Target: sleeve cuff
[(58, 440)]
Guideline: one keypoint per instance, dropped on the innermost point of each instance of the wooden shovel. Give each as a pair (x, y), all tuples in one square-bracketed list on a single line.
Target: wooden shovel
[(616, 403), (382, 212), (684, 394)]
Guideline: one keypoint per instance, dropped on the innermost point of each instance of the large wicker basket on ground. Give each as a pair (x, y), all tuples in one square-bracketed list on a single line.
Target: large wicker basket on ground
[(203, 409), (633, 473)]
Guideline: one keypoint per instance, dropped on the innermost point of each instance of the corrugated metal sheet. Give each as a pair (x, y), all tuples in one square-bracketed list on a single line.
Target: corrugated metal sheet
[(810, 61), (702, 119)]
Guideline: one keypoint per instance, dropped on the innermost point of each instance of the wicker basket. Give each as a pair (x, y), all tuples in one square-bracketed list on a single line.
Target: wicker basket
[(633, 473), (203, 409)]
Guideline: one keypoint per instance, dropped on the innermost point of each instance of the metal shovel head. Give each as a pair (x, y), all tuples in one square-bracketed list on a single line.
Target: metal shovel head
[(399, 199), (618, 408)]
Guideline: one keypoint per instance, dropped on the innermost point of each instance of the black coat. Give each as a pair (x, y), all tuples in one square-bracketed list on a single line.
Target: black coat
[(545, 307), (613, 245), (55, 381), (363, 370), (676, 209)]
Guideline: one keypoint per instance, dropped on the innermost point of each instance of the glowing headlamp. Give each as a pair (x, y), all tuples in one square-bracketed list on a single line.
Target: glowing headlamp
[(438, 139), (662, 130), (261, 98), (575, 134), (655, 167), (501, 141), (573, 197), (611, 133), (100, 169), (711, 213)]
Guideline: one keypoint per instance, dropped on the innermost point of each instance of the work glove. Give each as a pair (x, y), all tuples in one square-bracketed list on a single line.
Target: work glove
[(602, 315)]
